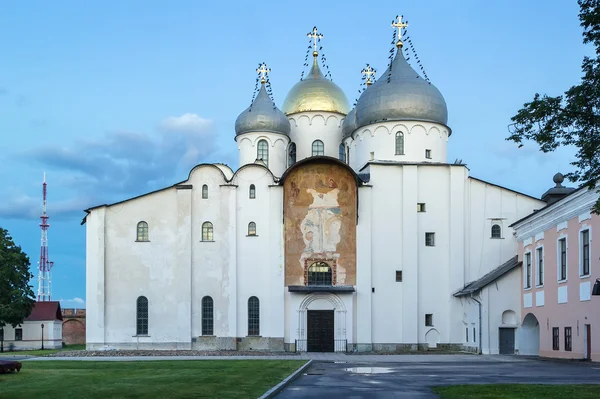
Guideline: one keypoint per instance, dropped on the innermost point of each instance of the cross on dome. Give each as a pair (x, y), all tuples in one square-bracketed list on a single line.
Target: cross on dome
[(315, 36), (262, 70), (399, 25), (369, 72)]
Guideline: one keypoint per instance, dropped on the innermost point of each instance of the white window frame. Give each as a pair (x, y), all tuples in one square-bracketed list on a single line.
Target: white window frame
[(580, 244), (525, 254), (559, 258), (539, 283)]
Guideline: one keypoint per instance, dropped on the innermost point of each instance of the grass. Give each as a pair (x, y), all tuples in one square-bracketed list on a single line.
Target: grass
[(514, 391), (146, 379), (39, 352)]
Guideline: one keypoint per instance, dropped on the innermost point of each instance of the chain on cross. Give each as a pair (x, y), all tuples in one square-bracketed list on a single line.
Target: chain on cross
[(315, 36), (263, 71), (369, 72), (399, 25)]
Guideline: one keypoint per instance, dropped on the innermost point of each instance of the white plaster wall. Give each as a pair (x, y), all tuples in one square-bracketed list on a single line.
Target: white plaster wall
[(32, 335), (278, 145), (310, 126), (502, 295), (95, 284), (363, 328)]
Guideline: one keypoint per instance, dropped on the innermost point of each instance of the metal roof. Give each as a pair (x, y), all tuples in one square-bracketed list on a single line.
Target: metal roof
[(43, 311), (262, 116), (489, 278)]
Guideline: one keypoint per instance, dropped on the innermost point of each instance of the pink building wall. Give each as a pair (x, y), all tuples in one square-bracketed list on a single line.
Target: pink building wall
[(580, 308)]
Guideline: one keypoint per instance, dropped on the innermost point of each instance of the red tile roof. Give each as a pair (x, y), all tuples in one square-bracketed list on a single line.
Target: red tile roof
[(45, 311)]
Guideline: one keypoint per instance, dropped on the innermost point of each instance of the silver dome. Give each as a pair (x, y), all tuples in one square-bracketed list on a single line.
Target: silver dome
[(262, 116), (401, 94), (349, 125)]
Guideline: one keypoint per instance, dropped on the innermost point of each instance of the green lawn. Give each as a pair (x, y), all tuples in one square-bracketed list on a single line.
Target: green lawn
[(39, 352), (147, 379), (514, 391)]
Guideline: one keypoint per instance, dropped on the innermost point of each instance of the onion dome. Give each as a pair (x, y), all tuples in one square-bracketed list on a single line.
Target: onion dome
[(262, 116), (349, 124), (400, 94), (315, 93)]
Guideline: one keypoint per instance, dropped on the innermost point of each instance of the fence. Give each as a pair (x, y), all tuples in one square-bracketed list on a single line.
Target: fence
[(339, 345)]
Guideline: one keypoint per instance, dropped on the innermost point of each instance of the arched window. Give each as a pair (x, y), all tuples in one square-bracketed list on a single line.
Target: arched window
[(262, 151), (318, 148), (204, 191), (251, 229), (207, 231), (142, 231), (342, 153), (399, 143), (496, 231), (319, 273), (142, 316), (253, 316), (292, 154), (252, 194), (207, 316)]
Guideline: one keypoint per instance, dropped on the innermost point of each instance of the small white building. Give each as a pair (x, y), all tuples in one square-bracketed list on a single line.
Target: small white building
[(30, 334)]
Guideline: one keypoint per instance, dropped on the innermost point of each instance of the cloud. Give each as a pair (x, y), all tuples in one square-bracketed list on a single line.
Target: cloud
[(186, 123), (76, 302), (23, 206)]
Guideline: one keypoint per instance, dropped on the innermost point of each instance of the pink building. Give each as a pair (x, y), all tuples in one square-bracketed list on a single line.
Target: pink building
[(559, 316)]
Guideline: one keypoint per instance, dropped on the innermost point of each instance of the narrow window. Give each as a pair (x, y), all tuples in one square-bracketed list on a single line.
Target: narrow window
[(540, 266), (429, 320), (430, 239), (496, 231), (142, 316), (398, 276), (319, 273), (474, 336), (251, 229), (262, 152), (428, 154), (292, 154), (399, 143), (421, 207), (467, 334), (253, 316), (568, 339), (207, 316), (318, 148), (342, 153), (252, 194), (142, 231), (585, 253), (18, 334), (528, 270), (1, 334), (204, 191), (562, 248), (348, 155), (207, 231), (555, 338)]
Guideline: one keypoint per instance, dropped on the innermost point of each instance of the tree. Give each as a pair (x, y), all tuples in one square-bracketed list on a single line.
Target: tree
[(16, 295), (571, 119)]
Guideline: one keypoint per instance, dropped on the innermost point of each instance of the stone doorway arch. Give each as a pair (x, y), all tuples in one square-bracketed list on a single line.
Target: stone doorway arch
[(529, 343)]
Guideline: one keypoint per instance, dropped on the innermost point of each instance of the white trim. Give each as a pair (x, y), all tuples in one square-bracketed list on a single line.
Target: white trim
[(559, 258), (562, 225), (583, 228), (527, 242), (539, 236), (585, 216), (539, 284), (525, 287)]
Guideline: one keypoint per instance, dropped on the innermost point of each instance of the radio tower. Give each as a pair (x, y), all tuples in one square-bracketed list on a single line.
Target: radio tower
[(44, 280)]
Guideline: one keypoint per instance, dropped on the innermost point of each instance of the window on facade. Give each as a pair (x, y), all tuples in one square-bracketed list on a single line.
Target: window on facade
[(142, 316), (540, 266), (142, 231), (421, 207), (562, 259), (430, 239), (429, 320), (398, 276), (292, 154), (428, 154), (528, 270), (496, 231), (251, 229), (568, 339), (467, 334), (207, 231), (207, 316), (555, 338), (319, 273), (1, 334), (342, 153), (204, 191), (18, 334), (474, 336), (262, 151), (585, 252), (253, 316), (252, 194), (399, 143), (318, 148)]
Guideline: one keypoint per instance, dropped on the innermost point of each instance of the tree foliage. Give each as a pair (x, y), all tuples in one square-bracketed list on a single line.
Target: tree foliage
[(16, 295), (571, 119)]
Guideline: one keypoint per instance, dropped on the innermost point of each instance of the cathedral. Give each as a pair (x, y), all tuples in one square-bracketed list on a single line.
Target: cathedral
[(342, 229)]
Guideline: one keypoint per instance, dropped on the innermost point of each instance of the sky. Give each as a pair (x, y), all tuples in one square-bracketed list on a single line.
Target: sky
[(113, 99)]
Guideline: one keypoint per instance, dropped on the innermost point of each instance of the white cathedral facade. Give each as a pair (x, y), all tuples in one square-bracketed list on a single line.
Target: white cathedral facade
[(341, 230)]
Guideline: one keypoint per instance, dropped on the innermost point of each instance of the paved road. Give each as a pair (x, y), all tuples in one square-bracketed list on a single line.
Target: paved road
[(358, 379)]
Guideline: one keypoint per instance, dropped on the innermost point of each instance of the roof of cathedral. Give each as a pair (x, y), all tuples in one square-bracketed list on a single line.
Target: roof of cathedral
[(401, 94), (489, 278), (315, 93), (349, 124), (262, 116)]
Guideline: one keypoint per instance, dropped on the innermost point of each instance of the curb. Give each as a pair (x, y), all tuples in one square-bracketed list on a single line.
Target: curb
[(279, 387)]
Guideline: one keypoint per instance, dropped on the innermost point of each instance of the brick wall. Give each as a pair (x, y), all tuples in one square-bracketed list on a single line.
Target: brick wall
[(73, 326)]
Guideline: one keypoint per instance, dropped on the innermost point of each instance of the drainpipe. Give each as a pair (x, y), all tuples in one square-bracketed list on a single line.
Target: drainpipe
[(480, 343)]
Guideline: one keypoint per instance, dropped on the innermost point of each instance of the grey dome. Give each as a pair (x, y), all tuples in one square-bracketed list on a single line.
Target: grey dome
[(349, 125), (262, 116), (401, 94)]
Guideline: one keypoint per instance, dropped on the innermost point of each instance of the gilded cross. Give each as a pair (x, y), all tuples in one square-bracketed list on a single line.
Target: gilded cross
[(399, 25), (263, 71), (368, 71), (315, 37)]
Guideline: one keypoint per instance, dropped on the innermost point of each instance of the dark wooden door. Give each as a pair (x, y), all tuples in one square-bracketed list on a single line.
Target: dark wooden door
[(507, 341), (588, 343), (320, 331)]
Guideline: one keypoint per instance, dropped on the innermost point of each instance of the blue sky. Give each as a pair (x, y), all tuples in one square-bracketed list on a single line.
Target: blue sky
[(116, 98)]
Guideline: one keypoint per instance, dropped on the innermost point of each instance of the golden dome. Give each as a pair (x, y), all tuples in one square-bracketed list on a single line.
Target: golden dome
[(315, 93)]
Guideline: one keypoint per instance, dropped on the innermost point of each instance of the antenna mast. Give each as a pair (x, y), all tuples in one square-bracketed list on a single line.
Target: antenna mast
[(44, 280)]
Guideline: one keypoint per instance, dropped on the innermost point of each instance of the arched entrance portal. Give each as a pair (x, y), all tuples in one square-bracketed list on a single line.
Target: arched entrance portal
[(322, 324), (529, 343)]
